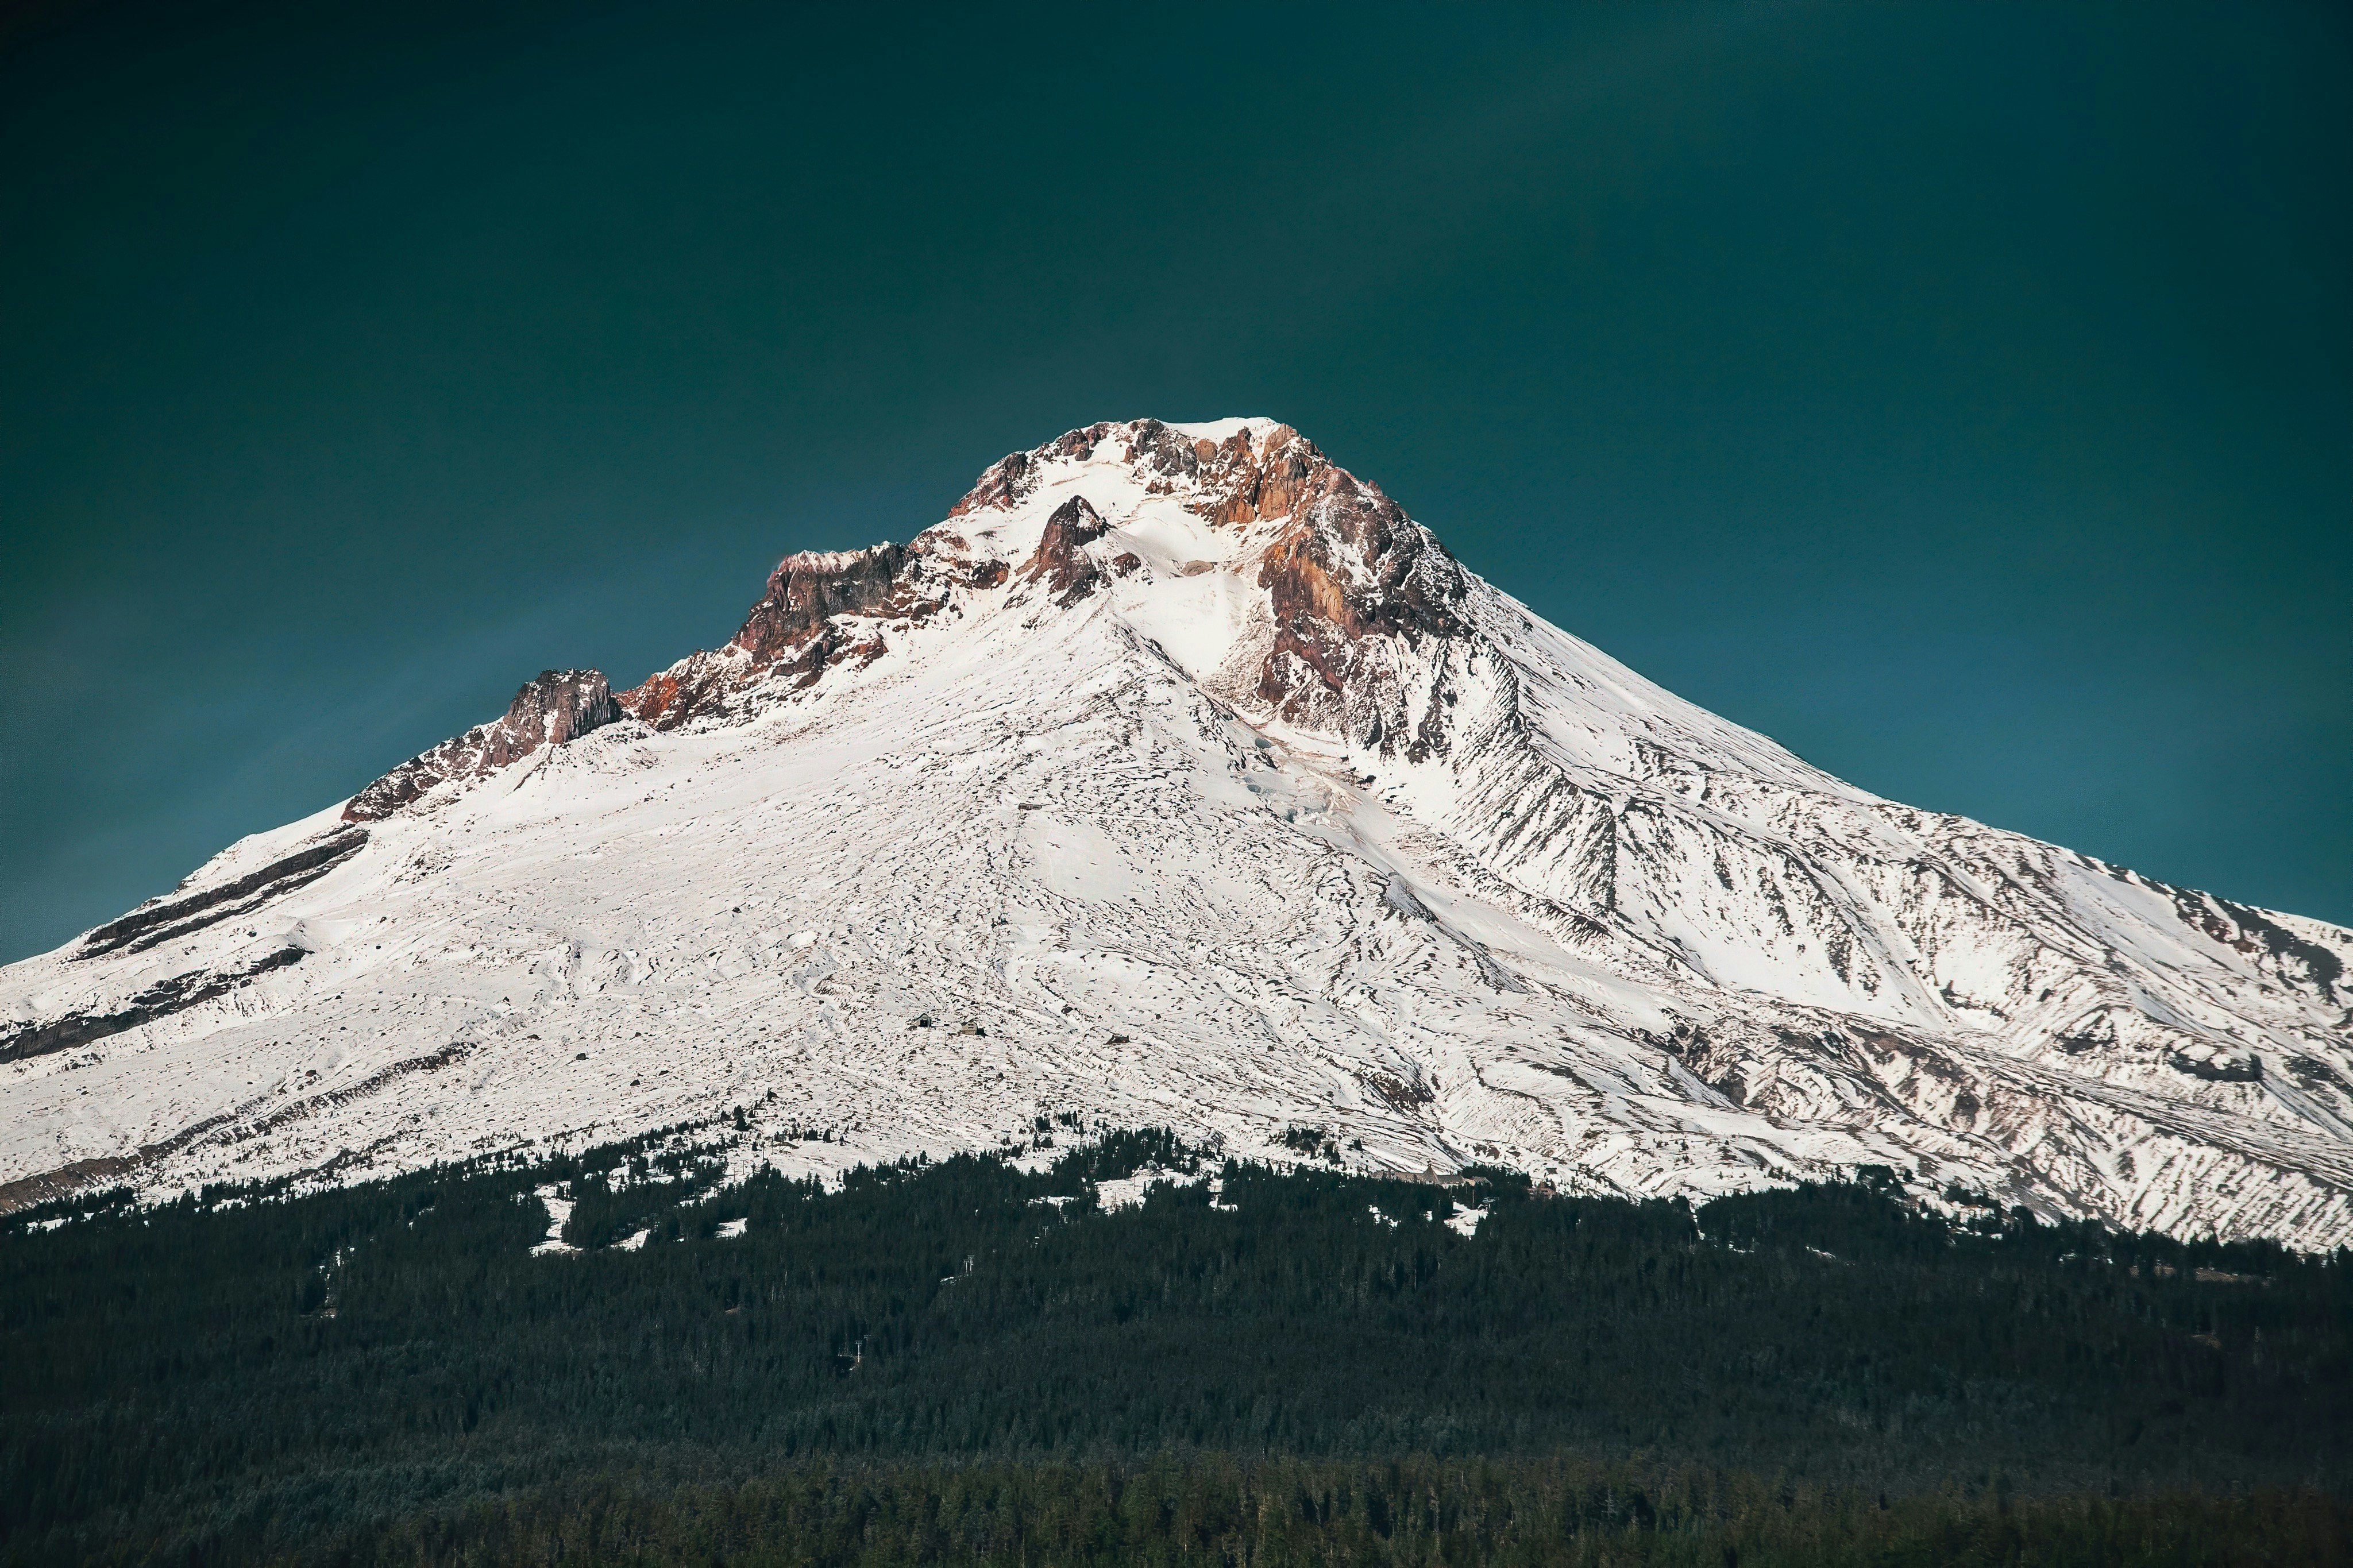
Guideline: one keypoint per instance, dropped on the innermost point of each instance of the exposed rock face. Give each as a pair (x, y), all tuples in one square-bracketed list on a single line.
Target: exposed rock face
[(1004, 483), (166, 920), (160, 1000), (1243, 482), (1353, 583), (792, 631), (809, 589), (2274, 949), (1061, 560), (555, 707)]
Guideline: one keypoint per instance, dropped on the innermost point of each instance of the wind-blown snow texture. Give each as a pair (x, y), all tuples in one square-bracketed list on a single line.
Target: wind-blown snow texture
[(1178, 777)]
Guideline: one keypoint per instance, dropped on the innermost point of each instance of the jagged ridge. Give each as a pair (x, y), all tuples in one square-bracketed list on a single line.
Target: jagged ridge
[(551, 709)]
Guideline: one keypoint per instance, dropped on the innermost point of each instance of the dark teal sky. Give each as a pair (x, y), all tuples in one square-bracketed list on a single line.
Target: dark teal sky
[(1962, 395)]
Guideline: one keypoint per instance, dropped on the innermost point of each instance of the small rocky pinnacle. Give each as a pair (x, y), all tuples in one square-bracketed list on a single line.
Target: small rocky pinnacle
[(557, 706)]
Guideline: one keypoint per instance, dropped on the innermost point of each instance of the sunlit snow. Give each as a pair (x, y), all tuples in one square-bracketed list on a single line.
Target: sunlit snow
[(1037, 858)]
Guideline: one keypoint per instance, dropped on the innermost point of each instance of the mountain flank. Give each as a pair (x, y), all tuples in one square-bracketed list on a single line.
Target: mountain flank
[(1179, 776)]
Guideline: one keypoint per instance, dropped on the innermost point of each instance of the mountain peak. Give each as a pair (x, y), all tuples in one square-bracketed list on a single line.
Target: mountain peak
[(1200, 785), (1228, 470), (1334, 559)]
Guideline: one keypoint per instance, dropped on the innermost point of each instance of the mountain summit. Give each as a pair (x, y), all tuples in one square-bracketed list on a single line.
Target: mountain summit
[(1179, 777)]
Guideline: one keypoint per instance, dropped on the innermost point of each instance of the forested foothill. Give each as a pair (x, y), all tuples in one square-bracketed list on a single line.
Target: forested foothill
[(969, 1361)]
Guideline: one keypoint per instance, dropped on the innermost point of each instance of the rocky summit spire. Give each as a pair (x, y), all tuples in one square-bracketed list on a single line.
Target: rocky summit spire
[(1061, 560)]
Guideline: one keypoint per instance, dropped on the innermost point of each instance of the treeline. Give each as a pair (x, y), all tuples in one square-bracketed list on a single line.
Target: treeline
[(963, 1362), (1215, 1510)]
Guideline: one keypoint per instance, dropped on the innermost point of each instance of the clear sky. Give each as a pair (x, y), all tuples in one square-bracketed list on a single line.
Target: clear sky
[(1962, 395)]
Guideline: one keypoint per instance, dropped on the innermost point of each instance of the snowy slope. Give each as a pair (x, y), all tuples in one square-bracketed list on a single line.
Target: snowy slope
[(1179, 777)]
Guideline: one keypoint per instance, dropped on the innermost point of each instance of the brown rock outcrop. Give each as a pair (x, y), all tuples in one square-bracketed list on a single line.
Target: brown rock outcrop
[(1351, 581), (792, 630), (1245, 482), (1061, 560), (558, 705), (809, 589), (1001, 486)]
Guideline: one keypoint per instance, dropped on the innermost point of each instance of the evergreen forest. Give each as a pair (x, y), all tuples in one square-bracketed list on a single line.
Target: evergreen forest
[(974, 1360)]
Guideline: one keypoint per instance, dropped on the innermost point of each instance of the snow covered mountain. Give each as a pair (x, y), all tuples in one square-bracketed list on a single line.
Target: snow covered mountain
[(1179, 777)]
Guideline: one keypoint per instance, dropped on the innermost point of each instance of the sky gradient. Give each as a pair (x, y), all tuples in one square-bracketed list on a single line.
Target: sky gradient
[(1961, 396)]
